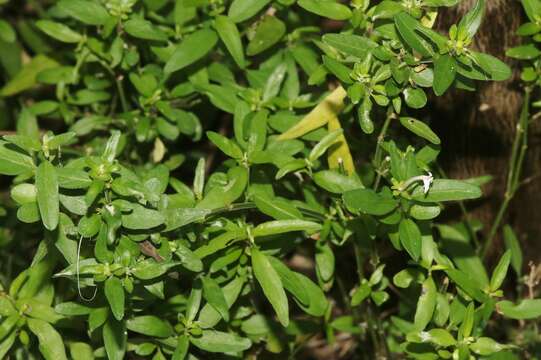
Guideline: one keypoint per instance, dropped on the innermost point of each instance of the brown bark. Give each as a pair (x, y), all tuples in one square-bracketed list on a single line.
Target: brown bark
[(478, 128)]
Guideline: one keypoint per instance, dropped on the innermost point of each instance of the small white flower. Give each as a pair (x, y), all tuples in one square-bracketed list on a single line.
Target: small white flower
[(425, 336), (427, 181)]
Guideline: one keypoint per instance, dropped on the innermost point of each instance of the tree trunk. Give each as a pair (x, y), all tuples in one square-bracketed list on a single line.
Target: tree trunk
[(478, 128)]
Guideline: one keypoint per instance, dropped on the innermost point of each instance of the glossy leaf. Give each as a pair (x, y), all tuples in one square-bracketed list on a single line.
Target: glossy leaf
[(51, 345), (229, 34), (47, 196), (426, 304), (369, 202), (192, 48), (271, 284), (329, 9), (114, 292), (447, 190), (220, 342), (444, 73)]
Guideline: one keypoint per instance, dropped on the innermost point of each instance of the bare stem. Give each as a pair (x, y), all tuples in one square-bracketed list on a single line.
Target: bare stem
[(377, 162), (518, 153)]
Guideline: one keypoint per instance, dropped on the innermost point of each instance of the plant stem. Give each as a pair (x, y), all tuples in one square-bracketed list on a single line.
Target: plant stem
[(518, 153), (378, 154), (122, 95)]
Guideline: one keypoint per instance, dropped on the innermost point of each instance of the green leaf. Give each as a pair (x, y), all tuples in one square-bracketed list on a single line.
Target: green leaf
[(71, 308), (227, 146), (51, 345), (342, 72), (181, 350), (277, 208), (7, 343), (415, 97), (271, 284), (48, 202), (404, 278), (284, 226), (532, 9), (466, 327), (335, 182), (26, 77), (115, 339), (424, 211), (467, 283), (58, 31), (8, 324), (446, 190), (525, 309), (69, 178), (144, 29), (350, 44), (150, 269), (329, 9), (142, 218), (426, 304), (406, 26), (486, 346), (363, 111), (175, 218), (325, 262), (318, 302), (24, 193), (324, 144), (361, 293), (114, 292), (268, 32), (194, 301), (150, 325), (192, 48), (188, 259), (7, 33), (81, 350), (229, 34), (209, 316), (444, 73), (500, 271), (512, 244), (221, 196), (420, 129), (290, 280), (88, 12), (220, 342), (241, 10), (215, 296), (441, 337), (410, 238), (523, 52), (468, 26), (495, 68), (369, 202)]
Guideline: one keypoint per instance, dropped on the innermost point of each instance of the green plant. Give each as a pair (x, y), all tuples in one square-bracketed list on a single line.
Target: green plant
[(174, 160)]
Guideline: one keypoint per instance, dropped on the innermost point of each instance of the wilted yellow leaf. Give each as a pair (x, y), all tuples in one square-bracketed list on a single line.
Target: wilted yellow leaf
[(339, 152), (329, 108)]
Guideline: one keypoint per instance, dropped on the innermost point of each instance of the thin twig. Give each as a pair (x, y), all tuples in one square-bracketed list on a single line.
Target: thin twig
[(518, 153)]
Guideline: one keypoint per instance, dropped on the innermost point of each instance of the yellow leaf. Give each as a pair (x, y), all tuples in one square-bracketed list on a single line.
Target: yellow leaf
[(429, 19), (339, 152), (329, 108)]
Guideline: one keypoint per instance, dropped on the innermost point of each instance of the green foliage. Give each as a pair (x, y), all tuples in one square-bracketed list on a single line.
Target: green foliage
[(199, 177)]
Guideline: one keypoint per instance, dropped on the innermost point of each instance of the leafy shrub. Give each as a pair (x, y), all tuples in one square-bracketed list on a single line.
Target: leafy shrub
[(242, 177)]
